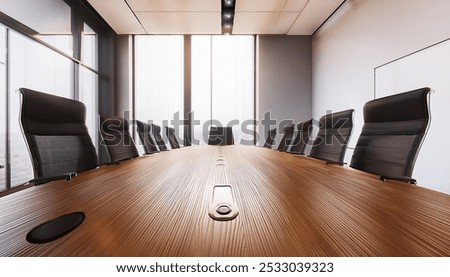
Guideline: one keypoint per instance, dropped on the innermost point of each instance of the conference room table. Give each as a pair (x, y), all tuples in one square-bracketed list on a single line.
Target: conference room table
[(288, 205)]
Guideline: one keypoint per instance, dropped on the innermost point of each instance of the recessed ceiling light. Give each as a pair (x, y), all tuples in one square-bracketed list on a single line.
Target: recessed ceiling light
[(228, 2)]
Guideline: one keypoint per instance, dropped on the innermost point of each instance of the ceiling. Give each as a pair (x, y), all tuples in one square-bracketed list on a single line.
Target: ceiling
[(291, 17)]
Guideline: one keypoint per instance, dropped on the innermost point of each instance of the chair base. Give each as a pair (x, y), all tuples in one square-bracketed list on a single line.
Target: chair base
[(43, 180), (408, 180)]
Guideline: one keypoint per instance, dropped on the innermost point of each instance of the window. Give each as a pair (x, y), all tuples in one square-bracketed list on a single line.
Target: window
[(33, 66), (50, 19), (223, 85), (159, 81), (88, 94), (2, 108), (42, 58), (201, 86), (89, 47), (88, 79)]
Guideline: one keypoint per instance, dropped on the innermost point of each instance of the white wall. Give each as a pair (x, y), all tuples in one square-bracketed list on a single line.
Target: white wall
[(362, 35)]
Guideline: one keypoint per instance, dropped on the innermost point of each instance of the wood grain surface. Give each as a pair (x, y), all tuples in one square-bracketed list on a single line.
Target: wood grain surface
[(289, 205)]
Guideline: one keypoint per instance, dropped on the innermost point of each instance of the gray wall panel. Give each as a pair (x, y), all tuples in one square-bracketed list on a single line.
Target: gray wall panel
[(284, 80)]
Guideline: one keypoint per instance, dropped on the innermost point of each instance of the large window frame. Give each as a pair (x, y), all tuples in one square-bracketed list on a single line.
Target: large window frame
[(97, 69), (159, 67), (190, 117), (223, 85)]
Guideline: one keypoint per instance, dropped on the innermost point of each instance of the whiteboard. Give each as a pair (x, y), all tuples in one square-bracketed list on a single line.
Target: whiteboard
[(429, 67)]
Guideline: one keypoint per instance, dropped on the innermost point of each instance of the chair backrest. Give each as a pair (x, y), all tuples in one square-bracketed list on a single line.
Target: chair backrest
[(146, 138), (56, 133), (302, 137), (117, 139), (220, 136), (286, 141), (170, 132), (270, 137), (331, 142), (156, 132), (393, 131)]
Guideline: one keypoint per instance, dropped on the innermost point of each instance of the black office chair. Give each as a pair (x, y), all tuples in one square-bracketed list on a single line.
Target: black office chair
[(334, 133), (156, 131), (57, 136), (394, 129), (170, 132), (60, 146), (220, 136), (286, 141), (301, 138), (117, 139), (270, 137), (146, 138)]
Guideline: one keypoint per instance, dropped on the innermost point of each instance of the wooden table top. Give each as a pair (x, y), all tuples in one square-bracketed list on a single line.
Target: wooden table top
[(288, 206)]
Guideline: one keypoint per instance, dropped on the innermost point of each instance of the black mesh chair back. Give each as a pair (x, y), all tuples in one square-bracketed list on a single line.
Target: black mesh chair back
[(146, 138), (56, 133), (270, 138), (220, 136), (117, 139), (334, 133), (170, 132), (286, 141), (156, 132), (393, 131), (302, 137)]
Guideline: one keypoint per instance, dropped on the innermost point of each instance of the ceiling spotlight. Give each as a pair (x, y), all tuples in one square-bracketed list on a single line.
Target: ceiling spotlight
[(228, 2)]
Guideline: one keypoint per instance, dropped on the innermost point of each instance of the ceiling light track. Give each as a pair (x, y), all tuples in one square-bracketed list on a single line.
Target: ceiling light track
[(228, 7)]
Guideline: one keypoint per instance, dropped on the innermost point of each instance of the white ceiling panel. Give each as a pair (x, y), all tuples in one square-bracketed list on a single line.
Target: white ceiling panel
[(292, 17), (295, 5), (263, 22), (181, 22), (314, 14), (270, 5), (118, 15), (259, 5), (175, 5)]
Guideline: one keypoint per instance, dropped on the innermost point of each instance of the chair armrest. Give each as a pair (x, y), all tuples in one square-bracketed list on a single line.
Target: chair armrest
[(43, 180)]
